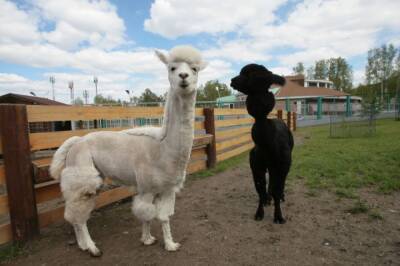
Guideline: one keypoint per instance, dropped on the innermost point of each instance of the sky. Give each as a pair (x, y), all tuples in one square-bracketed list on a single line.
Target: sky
[(115, 40)]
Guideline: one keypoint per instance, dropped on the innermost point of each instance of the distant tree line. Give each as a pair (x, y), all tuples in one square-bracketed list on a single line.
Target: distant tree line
[(382, 73), (210, 91)]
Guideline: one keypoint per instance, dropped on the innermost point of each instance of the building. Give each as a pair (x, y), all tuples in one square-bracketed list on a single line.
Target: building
[(312, 97), (12, 98)]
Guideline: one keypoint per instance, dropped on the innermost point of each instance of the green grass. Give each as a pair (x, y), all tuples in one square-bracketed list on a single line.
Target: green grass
[(11, 251), (222, 166), (359, 207), (344, 165)]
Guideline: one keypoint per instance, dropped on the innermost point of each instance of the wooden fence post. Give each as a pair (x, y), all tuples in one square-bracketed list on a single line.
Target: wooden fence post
[(209, 124), (18, 169), (289, 119), (279, 114), (294, 121)]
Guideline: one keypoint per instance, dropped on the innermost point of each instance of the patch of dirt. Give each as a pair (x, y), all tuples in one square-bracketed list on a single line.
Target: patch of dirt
[(214, 223)]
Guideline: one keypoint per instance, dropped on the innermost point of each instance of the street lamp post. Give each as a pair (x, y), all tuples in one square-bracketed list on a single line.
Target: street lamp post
[(52, 80), (95, 80), (71, 87), (86, 96)]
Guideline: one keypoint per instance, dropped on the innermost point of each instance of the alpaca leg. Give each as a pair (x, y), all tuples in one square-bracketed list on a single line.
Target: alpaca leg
[(170, 245), (144, 209), (277, 186), (165, 205), (147, 238), (79, 186), (260, 183)]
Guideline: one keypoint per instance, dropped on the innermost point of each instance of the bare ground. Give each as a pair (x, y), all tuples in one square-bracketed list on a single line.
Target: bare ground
[(214, 223)]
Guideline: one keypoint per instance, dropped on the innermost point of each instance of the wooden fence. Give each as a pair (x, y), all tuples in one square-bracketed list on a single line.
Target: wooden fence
[(31, 200)]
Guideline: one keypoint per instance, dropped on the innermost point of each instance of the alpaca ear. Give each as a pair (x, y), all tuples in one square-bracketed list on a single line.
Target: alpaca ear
[(279, 80), (203, 65), (162, 57)]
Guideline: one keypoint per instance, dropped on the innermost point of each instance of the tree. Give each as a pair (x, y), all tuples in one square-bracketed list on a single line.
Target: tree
[(150, 97), (299, 69), (380, 66), (310, 72), (78, 101), (212, 90), (101, 100), (340, 73), (321, 69)]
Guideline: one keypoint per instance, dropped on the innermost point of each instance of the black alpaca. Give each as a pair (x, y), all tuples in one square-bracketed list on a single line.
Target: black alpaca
[(272, 138)]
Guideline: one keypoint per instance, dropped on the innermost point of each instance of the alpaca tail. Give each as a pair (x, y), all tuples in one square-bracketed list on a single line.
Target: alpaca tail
[(58, 162)]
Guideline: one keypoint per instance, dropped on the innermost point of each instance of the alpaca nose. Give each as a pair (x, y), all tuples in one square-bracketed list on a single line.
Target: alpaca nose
[(183, 75)]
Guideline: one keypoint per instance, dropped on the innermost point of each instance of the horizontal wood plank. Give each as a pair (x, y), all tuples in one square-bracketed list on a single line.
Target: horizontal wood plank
[(51, 216), (113, 195), (199, 125), (227, 111), (4, 209), (105, 198), (198, 154), (48, 140), (196, 166), (5, 233), (2, 175), (222, 134), (233, 122), (42, 113), (233, 142), (234, 152), (237, 111), (47, 193)]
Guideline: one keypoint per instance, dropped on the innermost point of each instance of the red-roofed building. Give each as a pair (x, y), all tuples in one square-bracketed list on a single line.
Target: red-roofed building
[(297, 95)]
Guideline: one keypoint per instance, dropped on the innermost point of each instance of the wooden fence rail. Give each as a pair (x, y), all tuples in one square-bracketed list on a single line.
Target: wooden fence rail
[(33, 200)]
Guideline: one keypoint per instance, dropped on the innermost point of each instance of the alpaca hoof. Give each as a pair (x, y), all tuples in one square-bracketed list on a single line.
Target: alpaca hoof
[(279, 220), (148, 241), (172, 246), (72, 242), (259, 216), (95, 252)]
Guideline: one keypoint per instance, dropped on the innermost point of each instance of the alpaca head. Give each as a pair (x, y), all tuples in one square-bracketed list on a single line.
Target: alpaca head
[(254, 81), (184, 64)]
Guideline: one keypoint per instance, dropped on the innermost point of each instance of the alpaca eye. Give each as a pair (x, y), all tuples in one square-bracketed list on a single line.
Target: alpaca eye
[(173, 68), (194, 69)]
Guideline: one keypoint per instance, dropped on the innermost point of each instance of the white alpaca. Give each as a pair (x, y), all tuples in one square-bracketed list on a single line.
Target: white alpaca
[(152, 159)]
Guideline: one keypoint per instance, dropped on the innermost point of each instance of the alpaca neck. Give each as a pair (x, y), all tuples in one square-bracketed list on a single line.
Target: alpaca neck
[(263, 132), (178, 126)]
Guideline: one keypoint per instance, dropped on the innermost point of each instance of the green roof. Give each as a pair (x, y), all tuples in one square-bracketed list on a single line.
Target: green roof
[(227, 99)]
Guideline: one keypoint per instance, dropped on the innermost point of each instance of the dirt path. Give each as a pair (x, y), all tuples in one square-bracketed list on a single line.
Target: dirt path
[(214, 223)]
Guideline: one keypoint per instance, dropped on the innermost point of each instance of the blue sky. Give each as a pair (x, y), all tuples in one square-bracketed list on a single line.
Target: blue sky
[(74, 40)]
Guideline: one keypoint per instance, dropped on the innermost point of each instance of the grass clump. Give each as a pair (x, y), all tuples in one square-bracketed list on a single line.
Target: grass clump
[(11, 251), (344, 165), (359, 207)]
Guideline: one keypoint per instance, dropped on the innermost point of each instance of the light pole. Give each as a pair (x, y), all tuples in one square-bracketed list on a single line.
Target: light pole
[(52, 80), (86, 96), (95, 80), (71, 87)]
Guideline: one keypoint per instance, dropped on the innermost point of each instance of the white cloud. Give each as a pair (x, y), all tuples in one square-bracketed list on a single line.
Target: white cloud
[(358, 77), (174, 18), (78, 21), (11, 78), (17, 25)]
